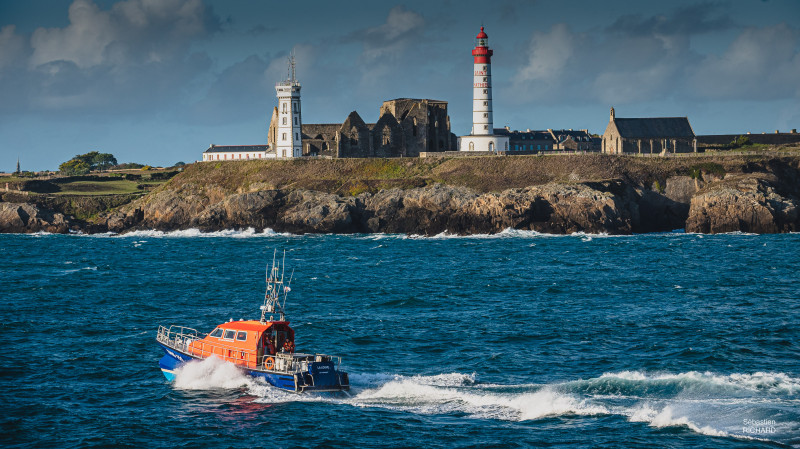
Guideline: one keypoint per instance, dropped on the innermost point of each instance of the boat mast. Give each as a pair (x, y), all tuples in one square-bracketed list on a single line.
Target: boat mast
[(275, 289)]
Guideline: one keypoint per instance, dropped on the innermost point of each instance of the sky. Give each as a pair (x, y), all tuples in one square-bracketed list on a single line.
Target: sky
[(157, 81)]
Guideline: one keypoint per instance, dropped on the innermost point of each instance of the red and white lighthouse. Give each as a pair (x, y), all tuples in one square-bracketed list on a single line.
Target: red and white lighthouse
[(482, 87), (482, 136)]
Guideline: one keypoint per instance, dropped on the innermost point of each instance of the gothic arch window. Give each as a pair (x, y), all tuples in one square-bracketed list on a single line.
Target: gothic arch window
[(284, 120), (284, 108), (354, 136), (414, 127), (387, 136), (284, 136)]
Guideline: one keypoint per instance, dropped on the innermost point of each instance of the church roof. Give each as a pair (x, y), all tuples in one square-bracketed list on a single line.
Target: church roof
[(658, 127)]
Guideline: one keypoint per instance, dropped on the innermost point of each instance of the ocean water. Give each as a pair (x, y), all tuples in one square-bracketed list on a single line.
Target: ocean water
[(508, 341)]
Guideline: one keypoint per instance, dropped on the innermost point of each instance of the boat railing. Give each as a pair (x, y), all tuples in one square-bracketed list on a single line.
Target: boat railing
[(291, 363), (190, 341), (178, 337)]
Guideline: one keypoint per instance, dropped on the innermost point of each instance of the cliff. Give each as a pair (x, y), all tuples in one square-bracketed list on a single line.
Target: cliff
[(553, 194)]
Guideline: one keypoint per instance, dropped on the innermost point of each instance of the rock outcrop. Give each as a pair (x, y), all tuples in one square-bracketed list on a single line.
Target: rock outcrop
[(551, 208), (27, 218), (744, 203)]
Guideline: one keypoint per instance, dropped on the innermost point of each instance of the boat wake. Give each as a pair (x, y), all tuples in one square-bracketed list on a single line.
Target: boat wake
[(757, 406)]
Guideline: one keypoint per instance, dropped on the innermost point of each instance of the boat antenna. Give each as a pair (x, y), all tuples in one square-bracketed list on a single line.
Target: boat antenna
[(287, 289), (275, 288)]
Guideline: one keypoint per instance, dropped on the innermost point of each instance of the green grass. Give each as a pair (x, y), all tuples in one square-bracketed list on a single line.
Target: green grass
[(116, 187)]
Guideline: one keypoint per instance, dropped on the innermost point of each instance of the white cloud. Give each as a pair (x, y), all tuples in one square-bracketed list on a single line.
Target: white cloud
[(651, 59), (131, 32), (761, 63), (135, 56), (12, 47)]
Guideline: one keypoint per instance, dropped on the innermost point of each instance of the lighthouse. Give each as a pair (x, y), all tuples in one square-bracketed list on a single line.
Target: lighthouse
[(482, 137), (288, 137)]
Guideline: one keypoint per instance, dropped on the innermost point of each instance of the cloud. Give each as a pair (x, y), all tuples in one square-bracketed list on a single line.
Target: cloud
[(134, 57), (385, 46), (641, 59), (760, 64)]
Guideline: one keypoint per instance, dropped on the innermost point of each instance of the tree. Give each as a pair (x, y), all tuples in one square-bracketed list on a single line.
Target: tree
[(74, 167), (104, 161)]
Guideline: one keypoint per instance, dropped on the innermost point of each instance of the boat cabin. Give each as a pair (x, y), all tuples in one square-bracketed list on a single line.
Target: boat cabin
[(246, 343)]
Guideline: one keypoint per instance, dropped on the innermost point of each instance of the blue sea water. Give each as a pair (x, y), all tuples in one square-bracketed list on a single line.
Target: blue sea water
[(514, 340)]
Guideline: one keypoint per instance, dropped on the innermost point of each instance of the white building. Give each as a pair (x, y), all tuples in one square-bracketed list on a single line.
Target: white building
[(482, 137), (237, 152), (288, 138)]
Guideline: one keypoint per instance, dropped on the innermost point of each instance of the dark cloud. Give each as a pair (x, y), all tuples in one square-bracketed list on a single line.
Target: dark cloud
[(134, 57), (241, 92), (690, 20), (641, 59)]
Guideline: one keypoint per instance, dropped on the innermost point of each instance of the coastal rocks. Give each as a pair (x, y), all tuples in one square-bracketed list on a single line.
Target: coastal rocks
[(552, 208), (27, 218), (748, 203), (317, 212)]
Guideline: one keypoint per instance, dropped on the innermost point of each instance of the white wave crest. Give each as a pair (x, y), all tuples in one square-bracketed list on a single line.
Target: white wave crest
[(208, 374), (778, 383), (230, 233), (666, 418), (456, 393)]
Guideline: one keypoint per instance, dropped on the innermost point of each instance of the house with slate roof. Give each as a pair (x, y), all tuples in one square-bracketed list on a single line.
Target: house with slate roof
[(658, 135)]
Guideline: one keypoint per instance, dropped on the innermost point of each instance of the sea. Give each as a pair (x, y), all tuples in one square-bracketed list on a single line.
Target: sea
[(512, 340)]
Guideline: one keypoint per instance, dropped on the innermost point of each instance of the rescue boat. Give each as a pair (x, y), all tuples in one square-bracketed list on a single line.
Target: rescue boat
[(263, 348)]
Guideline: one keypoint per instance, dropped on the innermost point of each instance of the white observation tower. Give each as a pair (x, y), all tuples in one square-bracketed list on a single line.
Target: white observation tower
[(288, 139), (482, 137)]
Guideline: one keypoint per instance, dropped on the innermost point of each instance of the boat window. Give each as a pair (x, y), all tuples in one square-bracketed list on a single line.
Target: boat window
[(217, 333), (229, 334), (241, 335)]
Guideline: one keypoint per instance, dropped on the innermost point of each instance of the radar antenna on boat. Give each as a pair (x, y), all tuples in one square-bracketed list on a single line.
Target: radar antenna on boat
[(277, 290)]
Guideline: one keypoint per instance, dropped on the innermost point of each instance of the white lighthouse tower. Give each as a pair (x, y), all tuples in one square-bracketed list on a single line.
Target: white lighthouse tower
[(288, 138), (482, 137)]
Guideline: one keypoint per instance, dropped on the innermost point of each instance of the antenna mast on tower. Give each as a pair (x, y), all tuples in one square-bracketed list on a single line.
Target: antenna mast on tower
[(291, 68)]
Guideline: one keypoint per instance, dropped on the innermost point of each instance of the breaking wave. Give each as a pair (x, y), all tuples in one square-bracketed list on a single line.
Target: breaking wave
[(758, 406), (230, 233)]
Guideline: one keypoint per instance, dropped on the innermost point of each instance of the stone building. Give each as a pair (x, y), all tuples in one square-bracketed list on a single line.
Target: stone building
[(548, 140), (658, 135), (526, 141), (404, 128), (573, 140)]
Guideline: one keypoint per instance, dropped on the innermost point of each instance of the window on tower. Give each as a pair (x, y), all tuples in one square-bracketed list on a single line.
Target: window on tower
[(284, 120), (284, 108), (486, 114), (485, 78), (284, 136), (486, 103), (295, 120), (486, 91)]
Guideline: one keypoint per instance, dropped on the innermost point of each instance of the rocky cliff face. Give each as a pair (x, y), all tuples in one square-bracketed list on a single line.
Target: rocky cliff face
[(27, 218), (746, 203), (759, 195), (610, 207)]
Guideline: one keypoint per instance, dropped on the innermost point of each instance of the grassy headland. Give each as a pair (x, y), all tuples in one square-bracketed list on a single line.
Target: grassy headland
[(483, 174)]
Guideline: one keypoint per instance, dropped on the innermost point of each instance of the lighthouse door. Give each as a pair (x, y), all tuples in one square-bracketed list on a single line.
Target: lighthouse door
[(491, 146)]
